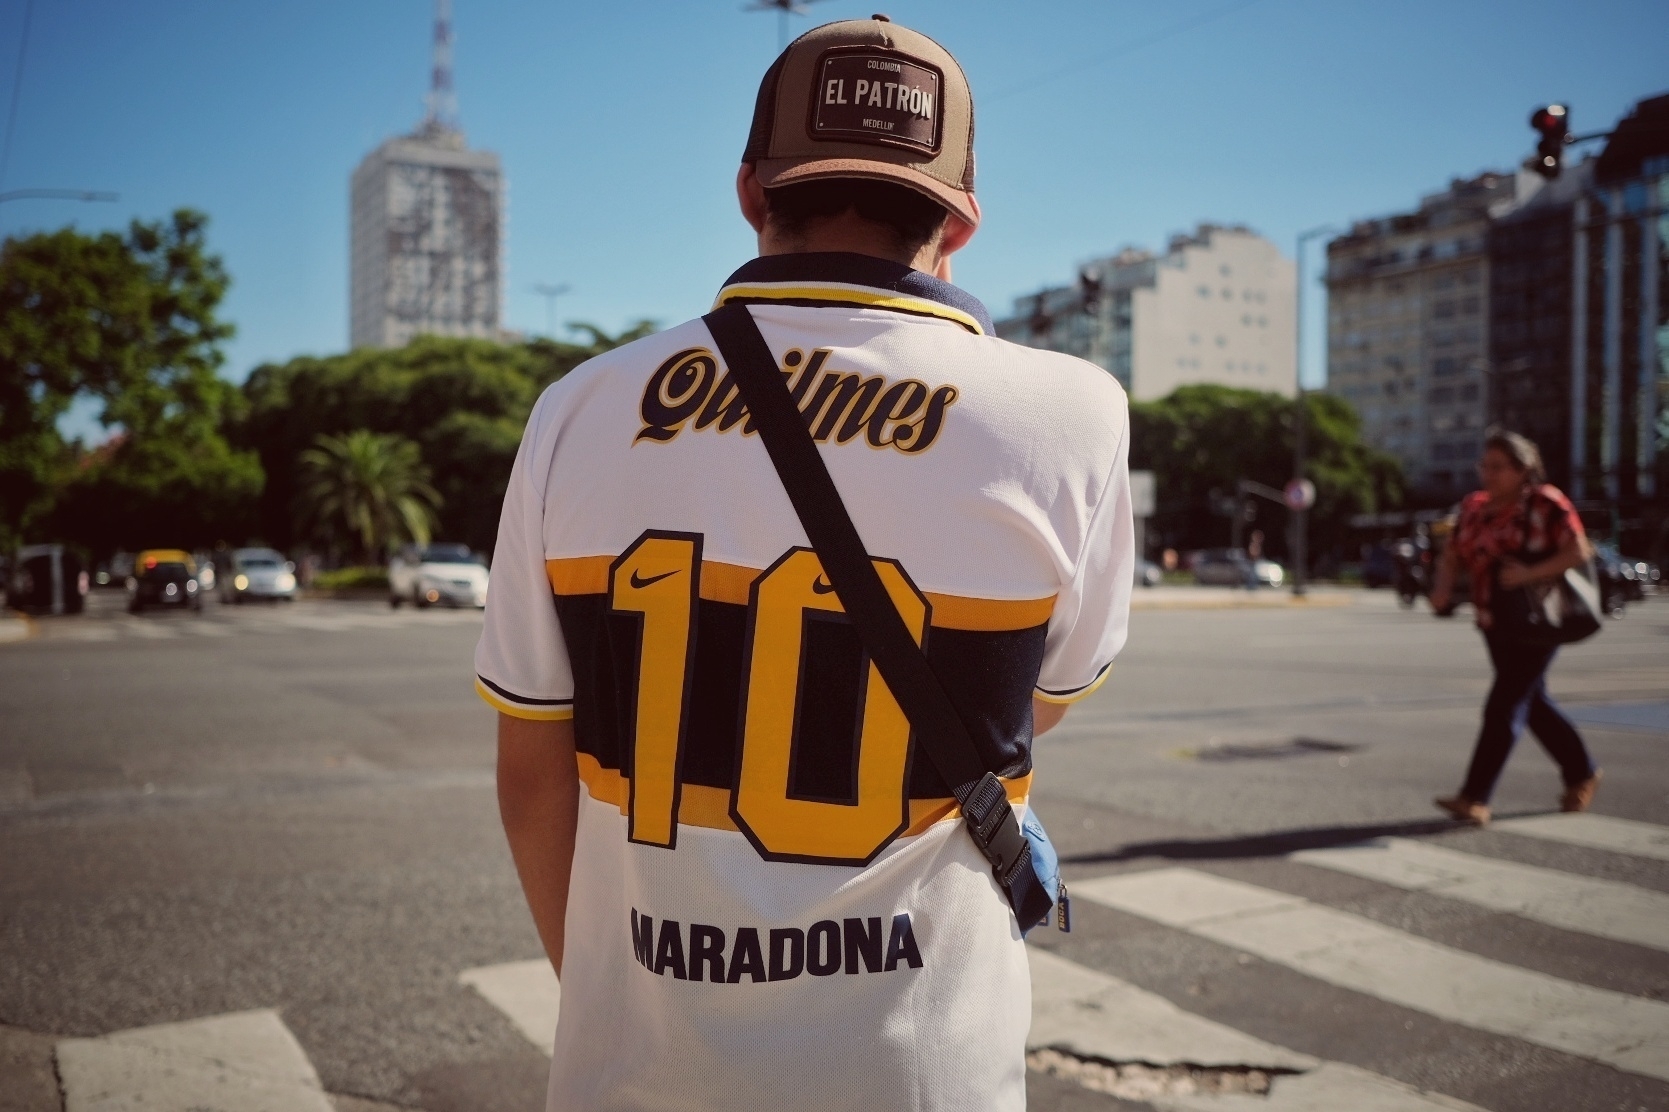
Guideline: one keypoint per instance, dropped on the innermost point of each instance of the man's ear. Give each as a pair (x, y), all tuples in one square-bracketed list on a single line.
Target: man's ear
[(955, 236), (751, 196)]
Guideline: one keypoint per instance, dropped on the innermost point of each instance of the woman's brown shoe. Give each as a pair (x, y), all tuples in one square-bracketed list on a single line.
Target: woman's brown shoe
[(1578, 796), (1466, 810)]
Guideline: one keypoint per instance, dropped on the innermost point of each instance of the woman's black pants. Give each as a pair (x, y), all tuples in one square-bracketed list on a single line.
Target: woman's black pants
[(1519, 698)]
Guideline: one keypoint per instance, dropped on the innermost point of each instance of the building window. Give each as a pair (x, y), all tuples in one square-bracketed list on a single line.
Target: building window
[(1205, 291), (1444, 367), (1469, 392)]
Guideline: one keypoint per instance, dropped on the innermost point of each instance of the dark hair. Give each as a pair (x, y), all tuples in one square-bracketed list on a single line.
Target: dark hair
[(913, 218), (1521, 450)]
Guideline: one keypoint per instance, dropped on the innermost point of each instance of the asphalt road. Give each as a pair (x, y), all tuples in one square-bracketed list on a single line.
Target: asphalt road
[(291, 808)]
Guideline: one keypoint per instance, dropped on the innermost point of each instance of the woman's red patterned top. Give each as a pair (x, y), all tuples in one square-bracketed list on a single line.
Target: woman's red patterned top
[(1530, 529)]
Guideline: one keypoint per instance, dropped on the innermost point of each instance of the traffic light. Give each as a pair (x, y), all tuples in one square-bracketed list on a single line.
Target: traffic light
[(1552, 123)]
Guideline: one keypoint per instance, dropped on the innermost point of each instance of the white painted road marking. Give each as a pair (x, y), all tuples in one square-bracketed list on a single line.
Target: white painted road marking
[(1606, 908), (1638, 839), (243, 1062), (1627, 1032), (525, 991), (1084, 1012), (1093, 1015)]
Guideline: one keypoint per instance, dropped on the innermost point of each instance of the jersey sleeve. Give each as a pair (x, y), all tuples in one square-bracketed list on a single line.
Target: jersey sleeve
[(1092, 614), (521, 661)]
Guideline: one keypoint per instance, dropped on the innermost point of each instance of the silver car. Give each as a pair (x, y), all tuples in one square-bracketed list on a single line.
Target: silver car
[(444, 574), (257, 573)]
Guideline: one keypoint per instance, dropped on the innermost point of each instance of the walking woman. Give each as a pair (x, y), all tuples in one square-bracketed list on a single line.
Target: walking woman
[(1517, 530)]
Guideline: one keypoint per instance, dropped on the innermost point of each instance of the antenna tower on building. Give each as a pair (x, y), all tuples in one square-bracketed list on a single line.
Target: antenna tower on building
[(442, 102)]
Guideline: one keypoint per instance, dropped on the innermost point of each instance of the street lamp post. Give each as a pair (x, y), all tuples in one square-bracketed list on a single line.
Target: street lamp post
[(1301, 431), (550, 293)]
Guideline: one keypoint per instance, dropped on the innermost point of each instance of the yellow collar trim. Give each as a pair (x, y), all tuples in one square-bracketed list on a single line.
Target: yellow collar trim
[(866, 297)]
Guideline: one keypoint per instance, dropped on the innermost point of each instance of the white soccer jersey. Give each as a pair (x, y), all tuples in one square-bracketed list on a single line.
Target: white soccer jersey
[(773, 905)]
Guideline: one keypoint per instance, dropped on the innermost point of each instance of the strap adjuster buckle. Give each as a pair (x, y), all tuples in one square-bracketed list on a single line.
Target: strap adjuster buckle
[(991, 822)]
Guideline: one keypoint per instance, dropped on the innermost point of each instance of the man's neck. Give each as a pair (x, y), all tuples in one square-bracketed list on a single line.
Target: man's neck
[(855, 235)]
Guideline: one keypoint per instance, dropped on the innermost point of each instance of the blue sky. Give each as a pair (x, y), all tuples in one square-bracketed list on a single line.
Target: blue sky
[(1100, 123)]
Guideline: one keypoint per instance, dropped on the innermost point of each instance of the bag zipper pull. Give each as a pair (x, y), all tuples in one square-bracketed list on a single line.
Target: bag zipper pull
[(1063, 907)]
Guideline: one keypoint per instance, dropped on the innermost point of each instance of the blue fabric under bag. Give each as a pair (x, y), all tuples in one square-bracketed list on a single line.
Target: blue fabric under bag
[(1046, 864)]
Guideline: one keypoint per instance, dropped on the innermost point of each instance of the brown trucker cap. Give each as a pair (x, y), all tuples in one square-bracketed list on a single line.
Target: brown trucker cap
[(866, 98)]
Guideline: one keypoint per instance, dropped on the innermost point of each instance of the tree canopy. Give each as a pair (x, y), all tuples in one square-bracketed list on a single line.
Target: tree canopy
[(129, 320), (462, 402), (370, 489), (1205, 438)]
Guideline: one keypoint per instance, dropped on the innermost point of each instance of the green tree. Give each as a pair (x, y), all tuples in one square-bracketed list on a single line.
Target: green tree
[(370, 489), (463, 402), (1205, 438), (129, 320)]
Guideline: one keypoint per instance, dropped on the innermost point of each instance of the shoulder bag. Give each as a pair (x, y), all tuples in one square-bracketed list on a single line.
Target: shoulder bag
[(1552, 612), (1020, 856)]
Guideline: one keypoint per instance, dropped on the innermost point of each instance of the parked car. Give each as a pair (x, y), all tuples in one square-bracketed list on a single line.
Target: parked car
[(1231, 567), (47, 579), (164, 577), (257, 573), (1148, 573), (441, 573), (1379, 569)]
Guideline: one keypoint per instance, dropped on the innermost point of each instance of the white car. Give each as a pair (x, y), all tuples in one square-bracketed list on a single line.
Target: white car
[(441, 573), (253, 573)]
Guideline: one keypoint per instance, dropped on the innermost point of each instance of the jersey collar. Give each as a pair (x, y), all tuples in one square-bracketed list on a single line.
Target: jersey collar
[(860, 281)]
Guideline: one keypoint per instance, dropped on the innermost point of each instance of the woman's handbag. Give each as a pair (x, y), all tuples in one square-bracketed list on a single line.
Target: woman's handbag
[(1554, 612)]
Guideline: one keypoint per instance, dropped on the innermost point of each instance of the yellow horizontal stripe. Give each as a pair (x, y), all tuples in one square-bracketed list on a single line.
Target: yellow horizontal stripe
[(994, 615), (700, 805), (860, 295), (579, 575), (588, 575), (1063, 700), (533, 714)]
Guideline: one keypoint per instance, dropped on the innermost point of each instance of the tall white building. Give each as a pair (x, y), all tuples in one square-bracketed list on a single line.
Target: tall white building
[(1216, 307), (427, 251)]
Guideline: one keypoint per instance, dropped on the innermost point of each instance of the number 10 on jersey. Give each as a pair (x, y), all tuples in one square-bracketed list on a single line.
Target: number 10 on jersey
[(658, 578)]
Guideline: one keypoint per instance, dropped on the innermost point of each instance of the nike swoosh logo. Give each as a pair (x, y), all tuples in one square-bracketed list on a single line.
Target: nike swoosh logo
[(639, 582), (820, 586)]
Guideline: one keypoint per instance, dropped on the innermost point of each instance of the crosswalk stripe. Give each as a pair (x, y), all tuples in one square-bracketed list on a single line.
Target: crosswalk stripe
[(1627, 1032), (1090, 1014), (1638, 839), (242, 1062), (1084, 1012), (527, 992), (1093, 1014), (1605, 908)]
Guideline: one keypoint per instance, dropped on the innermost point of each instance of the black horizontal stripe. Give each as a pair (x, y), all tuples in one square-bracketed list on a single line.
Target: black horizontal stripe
[(989, 676), (832, 303), (523, 699), (861, 270), (1074, 690)]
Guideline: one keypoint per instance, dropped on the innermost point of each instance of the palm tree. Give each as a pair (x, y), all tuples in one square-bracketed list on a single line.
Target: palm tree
[(370, 487)]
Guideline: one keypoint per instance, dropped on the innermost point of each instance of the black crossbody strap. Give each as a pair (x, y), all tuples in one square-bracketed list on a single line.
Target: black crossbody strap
[(939, 728)]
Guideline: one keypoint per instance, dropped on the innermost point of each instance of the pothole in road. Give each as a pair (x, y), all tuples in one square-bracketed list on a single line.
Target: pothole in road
[(1143, 1081)]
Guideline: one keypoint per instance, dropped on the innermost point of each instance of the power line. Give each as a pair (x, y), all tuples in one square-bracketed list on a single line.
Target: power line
[(17, 88), (1118, 52)]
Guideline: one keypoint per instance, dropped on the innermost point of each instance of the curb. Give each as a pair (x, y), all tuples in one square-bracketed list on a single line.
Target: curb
[(1274, 599), (15, 627)]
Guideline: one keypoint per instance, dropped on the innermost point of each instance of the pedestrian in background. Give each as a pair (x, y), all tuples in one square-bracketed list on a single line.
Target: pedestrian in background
[(1516, 531)]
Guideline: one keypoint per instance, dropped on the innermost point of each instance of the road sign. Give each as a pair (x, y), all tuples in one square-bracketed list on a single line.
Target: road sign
[(1299, 494)]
